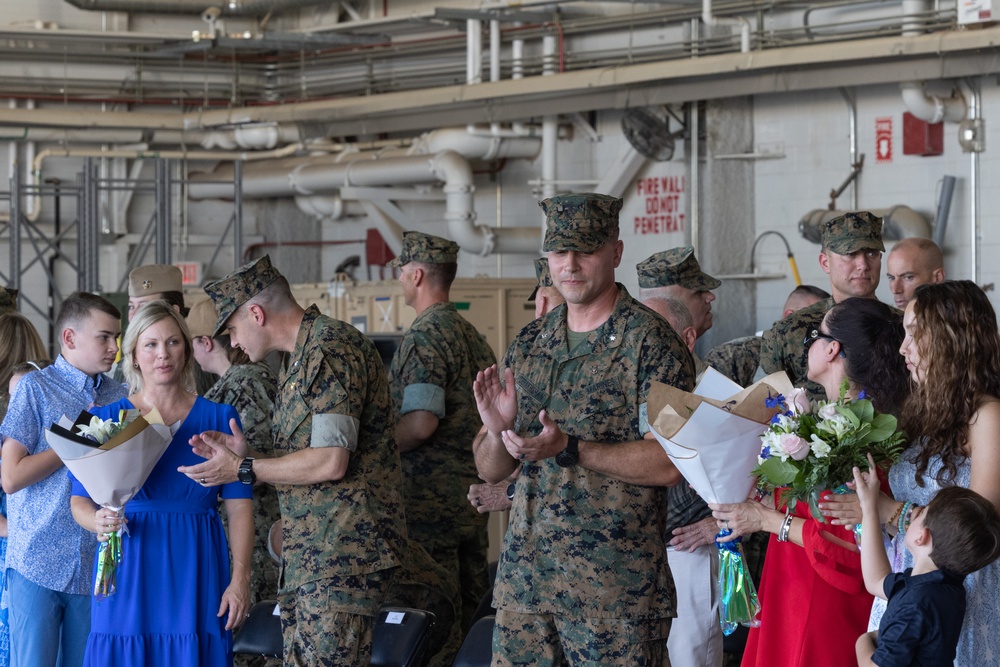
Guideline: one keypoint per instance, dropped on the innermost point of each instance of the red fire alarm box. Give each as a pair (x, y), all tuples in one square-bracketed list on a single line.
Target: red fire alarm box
[(922, 138)]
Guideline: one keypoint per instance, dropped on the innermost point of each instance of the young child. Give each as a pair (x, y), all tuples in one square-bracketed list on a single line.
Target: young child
[(955, 535)]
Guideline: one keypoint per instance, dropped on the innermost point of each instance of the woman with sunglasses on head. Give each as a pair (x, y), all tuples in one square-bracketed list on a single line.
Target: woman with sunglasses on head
[(812, 593)]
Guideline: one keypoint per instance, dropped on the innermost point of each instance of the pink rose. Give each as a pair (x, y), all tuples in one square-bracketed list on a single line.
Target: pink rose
[(798, 401), (795, 446)]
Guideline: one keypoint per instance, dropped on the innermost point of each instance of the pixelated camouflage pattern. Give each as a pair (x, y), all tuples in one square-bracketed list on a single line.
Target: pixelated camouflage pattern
[(737, 359), (154, 279), (782, 346), (542, 273), (579, 222), (443, 349), (532, 639), (8, 299), (238, 287), (354, 525), (426, 249), (330, 622), (848, 233), (250, 389), (581, 544), (677, 266)]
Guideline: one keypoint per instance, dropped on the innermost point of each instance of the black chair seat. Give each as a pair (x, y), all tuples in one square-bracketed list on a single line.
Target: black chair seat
[(477, 648), (261, 632), (399, 638)]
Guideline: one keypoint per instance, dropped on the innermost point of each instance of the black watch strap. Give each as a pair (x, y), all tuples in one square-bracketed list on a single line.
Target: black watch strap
[(569, 456), (245, 473)]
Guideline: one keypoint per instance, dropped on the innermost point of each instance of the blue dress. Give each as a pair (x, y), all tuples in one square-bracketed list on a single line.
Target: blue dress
[(980, 642), (175, 562)]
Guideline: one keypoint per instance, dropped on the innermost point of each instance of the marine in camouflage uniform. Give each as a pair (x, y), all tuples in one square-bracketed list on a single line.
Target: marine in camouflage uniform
[(342, 535), (737, 359), (432, 373), (583, 575), (782, 347), (696, 637)]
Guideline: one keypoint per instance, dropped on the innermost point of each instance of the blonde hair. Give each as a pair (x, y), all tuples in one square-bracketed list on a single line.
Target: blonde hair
[(147, 316)]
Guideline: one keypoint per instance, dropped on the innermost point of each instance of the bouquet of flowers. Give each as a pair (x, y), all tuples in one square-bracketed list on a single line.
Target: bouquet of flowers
[(112, 459), (812, 446), (712, 436)]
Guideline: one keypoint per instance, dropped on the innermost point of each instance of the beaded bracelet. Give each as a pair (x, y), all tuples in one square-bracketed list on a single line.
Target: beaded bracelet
[(786, 526), (895, 515), (904, 517)]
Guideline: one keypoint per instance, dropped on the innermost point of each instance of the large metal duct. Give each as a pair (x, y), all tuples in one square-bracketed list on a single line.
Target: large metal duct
[(327, 174), (898, 222), (224, 8)]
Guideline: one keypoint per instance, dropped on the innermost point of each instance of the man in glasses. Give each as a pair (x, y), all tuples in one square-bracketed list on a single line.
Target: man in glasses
[(852, 256)]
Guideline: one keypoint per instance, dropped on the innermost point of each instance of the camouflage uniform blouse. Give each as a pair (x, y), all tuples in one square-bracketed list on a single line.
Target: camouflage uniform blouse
[(438, 360), (737, 359), (782, 348), (355, 525), (582, 544)]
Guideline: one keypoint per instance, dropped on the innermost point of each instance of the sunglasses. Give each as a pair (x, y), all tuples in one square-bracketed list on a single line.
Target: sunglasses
[(814, 336)]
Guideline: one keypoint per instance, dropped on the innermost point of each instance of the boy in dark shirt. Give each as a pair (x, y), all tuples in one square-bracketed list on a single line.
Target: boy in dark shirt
[(955, 535)]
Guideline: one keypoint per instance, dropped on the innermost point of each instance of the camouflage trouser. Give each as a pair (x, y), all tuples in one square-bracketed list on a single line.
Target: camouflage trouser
[(542, 640), (329, 622), (461, 549)]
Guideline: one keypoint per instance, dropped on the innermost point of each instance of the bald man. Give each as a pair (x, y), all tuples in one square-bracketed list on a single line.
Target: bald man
[(911, 263)]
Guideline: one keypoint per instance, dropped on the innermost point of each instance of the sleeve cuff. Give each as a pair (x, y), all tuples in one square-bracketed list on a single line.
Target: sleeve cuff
[(335, 431), (429, 397)]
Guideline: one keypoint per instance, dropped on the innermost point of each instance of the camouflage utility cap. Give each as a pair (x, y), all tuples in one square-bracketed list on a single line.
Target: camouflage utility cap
[(426, 249), (579, 222), (677, 266), (542, 275), (201, 318), (154, 279), (852, 232), (239, 287), (8, 299)]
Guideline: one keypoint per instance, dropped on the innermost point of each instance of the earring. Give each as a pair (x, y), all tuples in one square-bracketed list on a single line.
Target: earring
[(134, 365)]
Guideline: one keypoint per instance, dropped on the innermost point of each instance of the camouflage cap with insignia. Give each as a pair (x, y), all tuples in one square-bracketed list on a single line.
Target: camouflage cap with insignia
[(542, 275), (154, 279), (8, 299), (677, 266), (426, 249), (579, 222), (238, 287), (201, 318), (848, 233)]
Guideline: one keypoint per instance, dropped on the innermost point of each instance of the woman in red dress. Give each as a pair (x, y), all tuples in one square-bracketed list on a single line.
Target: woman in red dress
[(812, 594)]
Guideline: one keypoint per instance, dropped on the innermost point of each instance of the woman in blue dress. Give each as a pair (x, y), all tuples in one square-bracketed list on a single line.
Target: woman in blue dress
[(176, 603)]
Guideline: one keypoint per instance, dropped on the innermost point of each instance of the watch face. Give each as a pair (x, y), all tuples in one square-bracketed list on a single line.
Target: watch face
[(566, 459)]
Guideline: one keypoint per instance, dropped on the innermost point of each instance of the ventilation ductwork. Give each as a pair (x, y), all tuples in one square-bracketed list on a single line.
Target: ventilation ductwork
[(328, 174), (898, 222)]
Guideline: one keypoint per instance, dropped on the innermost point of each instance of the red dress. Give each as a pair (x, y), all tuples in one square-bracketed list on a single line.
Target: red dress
[(813, 601)]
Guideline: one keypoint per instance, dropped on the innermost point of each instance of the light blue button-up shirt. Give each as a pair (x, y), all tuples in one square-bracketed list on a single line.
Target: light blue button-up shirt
[(46, 546)]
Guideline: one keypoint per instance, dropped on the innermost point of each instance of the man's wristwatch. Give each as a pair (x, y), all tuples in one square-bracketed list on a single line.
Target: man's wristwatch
[(510, 491), (569, 456), (246, 474)]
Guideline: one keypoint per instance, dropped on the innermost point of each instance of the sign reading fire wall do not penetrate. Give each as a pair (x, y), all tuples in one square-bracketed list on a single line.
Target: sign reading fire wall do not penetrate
[(657, 204)]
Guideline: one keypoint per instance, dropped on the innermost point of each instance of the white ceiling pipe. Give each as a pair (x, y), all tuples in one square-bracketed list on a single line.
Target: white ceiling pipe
[(928, 108), (317, 175), (479, 146), (224, 8), (709, 19), (931, 108)]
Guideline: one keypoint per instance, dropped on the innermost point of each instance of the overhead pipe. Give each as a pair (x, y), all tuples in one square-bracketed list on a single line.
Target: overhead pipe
[(898, 222), (224, 8), (943, 209), (744, 24), (481, 146), (325, 175), (975, 186), (550, 123), (32, 179), (928, 108)]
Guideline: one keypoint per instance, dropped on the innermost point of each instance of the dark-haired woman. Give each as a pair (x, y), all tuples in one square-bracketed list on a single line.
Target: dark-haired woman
[(813, 599)]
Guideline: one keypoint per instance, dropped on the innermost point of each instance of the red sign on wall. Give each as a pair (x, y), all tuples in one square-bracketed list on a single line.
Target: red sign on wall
[(883, 139), (662, 210)]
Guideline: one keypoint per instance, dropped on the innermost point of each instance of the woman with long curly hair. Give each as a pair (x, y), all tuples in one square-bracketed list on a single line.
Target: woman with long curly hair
[(952, 350)]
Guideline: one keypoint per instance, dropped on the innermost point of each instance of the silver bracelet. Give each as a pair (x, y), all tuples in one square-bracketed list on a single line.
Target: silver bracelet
[(785, 527)]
